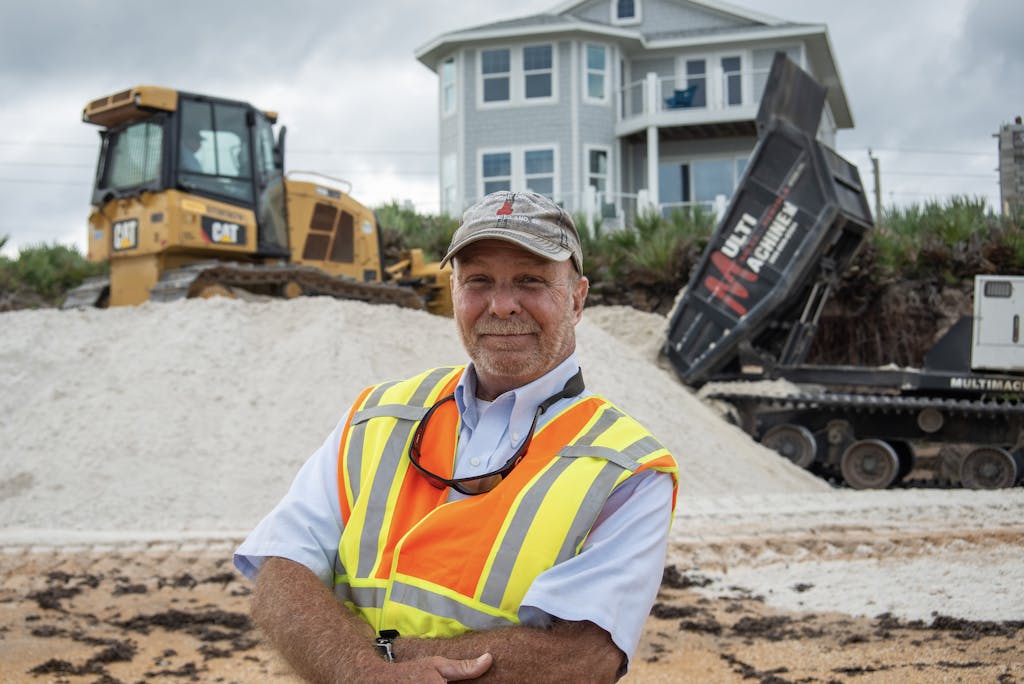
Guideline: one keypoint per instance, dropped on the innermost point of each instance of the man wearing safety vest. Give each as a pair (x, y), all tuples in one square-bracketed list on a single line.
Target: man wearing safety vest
[(495, 521)]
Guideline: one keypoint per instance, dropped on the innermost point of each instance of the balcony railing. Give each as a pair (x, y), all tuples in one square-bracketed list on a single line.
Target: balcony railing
[(706, 95), (616, 210)]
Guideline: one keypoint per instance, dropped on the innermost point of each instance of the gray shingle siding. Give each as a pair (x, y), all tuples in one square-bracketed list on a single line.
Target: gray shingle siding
[(717, 127), (655, 16)]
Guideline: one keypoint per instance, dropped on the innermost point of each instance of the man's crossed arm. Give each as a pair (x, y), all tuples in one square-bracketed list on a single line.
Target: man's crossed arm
[(325, 643)]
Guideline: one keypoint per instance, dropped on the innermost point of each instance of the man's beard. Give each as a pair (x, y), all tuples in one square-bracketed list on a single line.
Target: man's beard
[(514, 360)]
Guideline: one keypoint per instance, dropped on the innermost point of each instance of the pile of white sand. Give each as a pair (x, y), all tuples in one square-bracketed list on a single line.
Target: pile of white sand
[(189, 419), (194, 415)]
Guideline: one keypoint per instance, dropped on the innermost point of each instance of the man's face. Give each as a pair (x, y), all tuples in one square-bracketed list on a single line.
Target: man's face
[(516, 312)]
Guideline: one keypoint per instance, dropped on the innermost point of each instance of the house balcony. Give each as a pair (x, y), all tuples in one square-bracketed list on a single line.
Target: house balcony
[(691, 106)]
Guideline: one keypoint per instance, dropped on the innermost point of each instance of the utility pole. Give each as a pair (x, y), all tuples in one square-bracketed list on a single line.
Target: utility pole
[(878, 186)]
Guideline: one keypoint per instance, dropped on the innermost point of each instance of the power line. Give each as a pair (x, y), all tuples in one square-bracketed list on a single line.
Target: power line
[(45, 143), (939, 173), (394, 152), (909, 150), (55, 164), (35, 181)]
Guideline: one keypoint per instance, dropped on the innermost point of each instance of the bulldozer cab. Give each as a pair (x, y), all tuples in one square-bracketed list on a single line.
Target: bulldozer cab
[(157, 139)]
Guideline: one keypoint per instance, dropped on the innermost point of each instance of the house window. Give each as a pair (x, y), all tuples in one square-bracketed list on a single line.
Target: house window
[(539, 166), (699, 181), (517, 76), (537, 71), (520, 168), (625, 11), (696, 76), (597, 169), (732, 81), (495, 66), (448, 86), (497, 172), (597, 72)]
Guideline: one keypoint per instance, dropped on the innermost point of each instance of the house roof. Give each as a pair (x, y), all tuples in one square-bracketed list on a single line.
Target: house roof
[(754, 26)]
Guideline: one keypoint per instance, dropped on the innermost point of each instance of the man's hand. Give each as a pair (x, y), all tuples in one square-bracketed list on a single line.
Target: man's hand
[(564, 652), (436, 669), (325, 643)]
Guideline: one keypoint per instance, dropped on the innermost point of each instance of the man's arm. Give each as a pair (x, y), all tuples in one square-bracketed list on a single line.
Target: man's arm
[(565, 652), (325, 643)]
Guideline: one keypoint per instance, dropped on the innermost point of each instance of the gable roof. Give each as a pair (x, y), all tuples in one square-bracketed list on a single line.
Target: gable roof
[(749, 26), (713, 5)]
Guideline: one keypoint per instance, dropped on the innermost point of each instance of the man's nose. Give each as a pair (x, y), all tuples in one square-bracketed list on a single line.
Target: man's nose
[(504, 301)]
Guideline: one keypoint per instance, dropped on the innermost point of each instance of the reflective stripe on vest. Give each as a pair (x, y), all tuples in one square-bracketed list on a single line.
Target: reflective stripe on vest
[(408, 560)]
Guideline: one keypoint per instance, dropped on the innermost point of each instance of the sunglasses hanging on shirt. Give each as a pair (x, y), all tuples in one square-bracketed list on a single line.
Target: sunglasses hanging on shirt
[(488, 481)]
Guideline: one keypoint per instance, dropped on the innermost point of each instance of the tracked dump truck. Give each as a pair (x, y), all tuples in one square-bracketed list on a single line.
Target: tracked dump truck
[(191, 199), (753, 301)]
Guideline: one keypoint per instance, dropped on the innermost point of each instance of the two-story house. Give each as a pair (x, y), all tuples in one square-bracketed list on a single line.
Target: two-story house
[(611, 105)]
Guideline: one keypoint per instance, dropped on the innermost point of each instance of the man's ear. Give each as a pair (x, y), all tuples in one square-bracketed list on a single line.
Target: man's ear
[(579, 296)]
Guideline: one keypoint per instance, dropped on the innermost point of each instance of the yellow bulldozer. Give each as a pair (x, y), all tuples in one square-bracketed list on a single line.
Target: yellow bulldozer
[(191, 199)]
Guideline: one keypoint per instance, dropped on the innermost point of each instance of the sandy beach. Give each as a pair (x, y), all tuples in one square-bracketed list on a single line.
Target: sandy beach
[(139, 446)]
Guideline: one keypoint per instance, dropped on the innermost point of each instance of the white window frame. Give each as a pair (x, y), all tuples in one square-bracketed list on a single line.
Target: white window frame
[(735, 159), (517, 77), (481, 179), (744, 76), (481, 77), (714, 77), (638, 13), (449, 184), (450, 88), (587, 71), (587, 173), (518, 178), (554, 167)]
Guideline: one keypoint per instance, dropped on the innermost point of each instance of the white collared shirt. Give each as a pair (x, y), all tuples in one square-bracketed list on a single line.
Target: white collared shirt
[(612, 582)]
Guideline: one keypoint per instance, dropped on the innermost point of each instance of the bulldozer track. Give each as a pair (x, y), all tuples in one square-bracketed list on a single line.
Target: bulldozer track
[(190, 281), (875, 402)]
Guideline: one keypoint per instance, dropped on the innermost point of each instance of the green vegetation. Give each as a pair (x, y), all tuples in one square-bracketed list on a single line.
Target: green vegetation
[(646, 264), (42, 274), (401, 227), (943, 242)]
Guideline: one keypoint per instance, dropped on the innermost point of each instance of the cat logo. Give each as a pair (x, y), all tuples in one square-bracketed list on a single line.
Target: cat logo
[(126, 234), (223, 232)]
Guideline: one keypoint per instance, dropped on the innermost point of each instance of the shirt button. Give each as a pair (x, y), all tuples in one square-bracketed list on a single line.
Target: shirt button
[(474, 461), (515, 436)]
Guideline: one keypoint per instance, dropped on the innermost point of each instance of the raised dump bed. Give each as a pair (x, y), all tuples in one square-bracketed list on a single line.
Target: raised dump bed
[(794, 224)]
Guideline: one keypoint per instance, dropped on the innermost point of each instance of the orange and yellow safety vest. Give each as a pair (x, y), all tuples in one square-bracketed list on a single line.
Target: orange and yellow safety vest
[(412, 561)]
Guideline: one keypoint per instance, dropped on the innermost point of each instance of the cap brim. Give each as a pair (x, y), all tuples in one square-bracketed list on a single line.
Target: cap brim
[(541, 248)]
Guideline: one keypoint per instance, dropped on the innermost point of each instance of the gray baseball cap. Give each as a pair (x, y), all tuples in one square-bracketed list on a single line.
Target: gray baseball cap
[(526, 219)]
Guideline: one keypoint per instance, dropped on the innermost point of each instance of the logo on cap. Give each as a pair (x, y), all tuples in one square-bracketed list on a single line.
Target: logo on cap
[(506, 208)]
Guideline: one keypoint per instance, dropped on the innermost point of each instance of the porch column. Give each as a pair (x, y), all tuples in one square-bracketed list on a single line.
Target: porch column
[(652, 166), (652, 92)]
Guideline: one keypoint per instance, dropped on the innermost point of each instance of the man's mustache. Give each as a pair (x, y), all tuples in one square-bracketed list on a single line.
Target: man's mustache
[(505, 328)]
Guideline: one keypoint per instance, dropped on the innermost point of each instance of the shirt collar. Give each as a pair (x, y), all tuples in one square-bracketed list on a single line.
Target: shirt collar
[(525, 399)]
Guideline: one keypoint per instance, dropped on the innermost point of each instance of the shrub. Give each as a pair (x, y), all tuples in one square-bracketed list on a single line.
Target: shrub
[(403, 228), (46, 271)]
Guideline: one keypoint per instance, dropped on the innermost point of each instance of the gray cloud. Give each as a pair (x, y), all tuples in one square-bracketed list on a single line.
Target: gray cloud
[(343, 75)]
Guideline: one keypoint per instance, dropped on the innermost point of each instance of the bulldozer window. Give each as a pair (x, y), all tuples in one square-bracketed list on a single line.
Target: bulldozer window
[(216, 137), (133, 156)]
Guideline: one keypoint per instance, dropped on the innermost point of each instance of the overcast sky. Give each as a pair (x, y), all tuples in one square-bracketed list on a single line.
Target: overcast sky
[(929, 83)]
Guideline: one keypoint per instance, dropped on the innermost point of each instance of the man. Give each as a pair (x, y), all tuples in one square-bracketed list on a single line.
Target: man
[(496, 521), (190, 143)]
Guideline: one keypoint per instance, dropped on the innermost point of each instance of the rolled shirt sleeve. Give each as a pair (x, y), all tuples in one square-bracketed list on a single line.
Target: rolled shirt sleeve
[(614, 580)]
